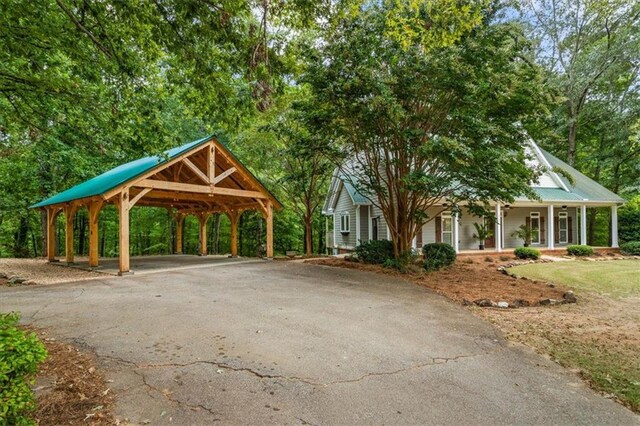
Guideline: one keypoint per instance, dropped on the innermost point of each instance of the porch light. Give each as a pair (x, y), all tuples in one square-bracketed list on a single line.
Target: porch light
[(564, 207), (507, 206)]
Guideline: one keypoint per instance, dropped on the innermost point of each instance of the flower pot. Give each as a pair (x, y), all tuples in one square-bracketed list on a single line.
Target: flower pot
[(480, 246)]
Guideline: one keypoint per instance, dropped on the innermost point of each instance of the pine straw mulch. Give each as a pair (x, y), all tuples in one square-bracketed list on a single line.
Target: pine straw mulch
[(466, 281), (70, 389)]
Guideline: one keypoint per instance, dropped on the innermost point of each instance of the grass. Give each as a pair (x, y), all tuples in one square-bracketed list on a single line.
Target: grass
[(599, 336), (615, 278)]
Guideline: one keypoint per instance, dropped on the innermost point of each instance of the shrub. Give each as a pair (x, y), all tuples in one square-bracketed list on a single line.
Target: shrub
[(438, 256), (632, 248), (629, 222), (402, 262), (20, 355), (577, 250), (375, 251), (527, 253)]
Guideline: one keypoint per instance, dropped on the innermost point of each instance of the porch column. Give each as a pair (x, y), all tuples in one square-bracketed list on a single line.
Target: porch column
[(456, 232), (614, 226), (498, 228), (123, 219), (203, 217), (358, 226), (583, 225), (179, 225), (52, 215), (551, 232), (69, 215), (269, 219), (94, 213)]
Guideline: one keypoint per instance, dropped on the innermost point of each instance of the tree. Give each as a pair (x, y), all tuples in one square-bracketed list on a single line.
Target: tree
[(582, 43), (307, 169), (422, 127)]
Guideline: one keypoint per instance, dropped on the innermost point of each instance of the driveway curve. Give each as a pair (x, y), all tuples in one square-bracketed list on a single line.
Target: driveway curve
[(291, 343)]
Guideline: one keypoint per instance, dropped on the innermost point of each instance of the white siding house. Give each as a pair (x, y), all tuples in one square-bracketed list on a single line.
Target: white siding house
[(558, 218)]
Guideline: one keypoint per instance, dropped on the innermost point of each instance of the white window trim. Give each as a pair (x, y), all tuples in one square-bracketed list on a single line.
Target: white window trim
[(343, 222), (565, 216), (537, 216), (443, 216)]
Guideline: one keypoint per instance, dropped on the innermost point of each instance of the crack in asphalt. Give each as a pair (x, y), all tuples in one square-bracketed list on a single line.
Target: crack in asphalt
[(311, 382), (168, 396)]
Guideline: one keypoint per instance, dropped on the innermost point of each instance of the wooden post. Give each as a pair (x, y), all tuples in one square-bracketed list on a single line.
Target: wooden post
[(94, 213), (233, 218), (69, 214), (123, 216), (52, 215), (179, 222), (203, 233), (269, 219)]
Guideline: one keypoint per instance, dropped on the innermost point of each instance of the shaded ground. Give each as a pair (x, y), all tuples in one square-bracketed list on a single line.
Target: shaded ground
[(290, 343), (39, 271), (467, 280), (70, 389)]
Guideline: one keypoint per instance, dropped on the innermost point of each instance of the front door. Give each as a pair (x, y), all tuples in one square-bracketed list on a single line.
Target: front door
[(491, 241)]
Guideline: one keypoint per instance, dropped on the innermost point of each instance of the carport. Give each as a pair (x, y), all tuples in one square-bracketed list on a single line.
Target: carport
[(199, 178)]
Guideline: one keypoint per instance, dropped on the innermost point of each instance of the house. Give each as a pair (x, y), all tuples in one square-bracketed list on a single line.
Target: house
[(557, 219)]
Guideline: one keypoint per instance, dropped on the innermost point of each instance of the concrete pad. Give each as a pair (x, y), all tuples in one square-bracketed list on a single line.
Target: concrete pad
[(155, 264), (291, 343)]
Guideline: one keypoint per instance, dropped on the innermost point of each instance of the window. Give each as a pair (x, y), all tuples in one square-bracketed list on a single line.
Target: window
[(535, 227), (345, 223), (447, 228), (563, 227), (374, 228)]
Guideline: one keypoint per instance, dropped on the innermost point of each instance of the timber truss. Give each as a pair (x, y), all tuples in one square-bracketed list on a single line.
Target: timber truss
[(204, 180)]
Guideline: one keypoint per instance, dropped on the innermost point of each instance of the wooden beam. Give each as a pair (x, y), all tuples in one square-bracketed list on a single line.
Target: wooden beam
[(52, 215), (269, 220), (123, 216), (137, 198), (69, 215), (198, 189), (179, 222), (203, 217), (196, 170), (211, 163), (234, 217), (223, 175), (94, 214)]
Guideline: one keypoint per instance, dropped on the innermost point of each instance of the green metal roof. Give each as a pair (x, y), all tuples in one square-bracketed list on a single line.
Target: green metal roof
[(584, 188), (356, 197), (556, 194), (117, 176)]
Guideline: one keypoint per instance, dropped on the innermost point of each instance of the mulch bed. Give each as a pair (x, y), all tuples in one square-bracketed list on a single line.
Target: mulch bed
[(466, 282), (70, 390)]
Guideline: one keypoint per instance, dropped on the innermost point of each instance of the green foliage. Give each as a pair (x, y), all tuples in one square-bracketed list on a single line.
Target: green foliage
[(20, 355), (631, 248), (526, 253), (629, 221), (525, 233), (368, 92), (579, 250), (438, 256), (483, 231), (375, 251), (402, 262)]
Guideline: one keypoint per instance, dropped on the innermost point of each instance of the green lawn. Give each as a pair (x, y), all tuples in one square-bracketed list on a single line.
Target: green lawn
[(616, 278)]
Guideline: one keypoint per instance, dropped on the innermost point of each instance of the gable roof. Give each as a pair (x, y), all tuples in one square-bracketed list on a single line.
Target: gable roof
[(584, 187), (124, 173), (338, 182)]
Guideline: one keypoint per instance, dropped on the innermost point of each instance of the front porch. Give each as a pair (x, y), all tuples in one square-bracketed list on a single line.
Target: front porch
[(549, 226)]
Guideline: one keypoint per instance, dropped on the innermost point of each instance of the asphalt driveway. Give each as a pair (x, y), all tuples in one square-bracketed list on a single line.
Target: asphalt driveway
[(289, 343)]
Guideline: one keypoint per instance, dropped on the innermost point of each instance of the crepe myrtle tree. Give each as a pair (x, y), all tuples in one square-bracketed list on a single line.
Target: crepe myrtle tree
[(420, 128)]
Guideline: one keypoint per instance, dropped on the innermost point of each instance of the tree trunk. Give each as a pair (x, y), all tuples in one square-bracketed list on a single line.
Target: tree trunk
[(571, 141), (308, 233)]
